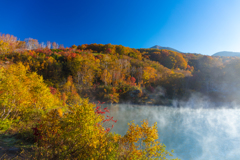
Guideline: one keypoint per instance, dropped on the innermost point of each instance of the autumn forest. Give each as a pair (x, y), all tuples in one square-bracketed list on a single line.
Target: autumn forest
[(51, 95)]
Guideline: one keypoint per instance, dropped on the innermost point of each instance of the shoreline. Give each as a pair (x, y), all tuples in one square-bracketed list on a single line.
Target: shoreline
[(180, 104)]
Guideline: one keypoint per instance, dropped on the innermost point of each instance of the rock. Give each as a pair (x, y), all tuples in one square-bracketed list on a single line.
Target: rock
[(14, 150), (134, 93)]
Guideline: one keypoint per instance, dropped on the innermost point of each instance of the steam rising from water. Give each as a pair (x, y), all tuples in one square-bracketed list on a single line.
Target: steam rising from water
[(194, 134)]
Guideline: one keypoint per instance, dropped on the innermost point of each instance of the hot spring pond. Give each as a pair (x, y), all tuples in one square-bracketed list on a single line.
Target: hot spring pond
[(194, 134)]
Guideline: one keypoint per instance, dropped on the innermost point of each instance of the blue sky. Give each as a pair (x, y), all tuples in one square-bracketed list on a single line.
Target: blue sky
[(196, 26)]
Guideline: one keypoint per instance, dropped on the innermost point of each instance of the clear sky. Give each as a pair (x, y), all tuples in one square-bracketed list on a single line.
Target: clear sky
[(196, 26)]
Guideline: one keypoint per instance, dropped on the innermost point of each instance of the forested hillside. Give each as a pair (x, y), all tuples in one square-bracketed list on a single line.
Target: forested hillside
[(114, 73)]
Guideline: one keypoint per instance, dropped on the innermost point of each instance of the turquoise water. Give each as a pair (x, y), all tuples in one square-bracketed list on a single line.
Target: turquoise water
[(194, 134)]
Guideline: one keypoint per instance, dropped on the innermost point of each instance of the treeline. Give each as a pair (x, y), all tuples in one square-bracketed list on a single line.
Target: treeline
[(9, 43), (114, 73)]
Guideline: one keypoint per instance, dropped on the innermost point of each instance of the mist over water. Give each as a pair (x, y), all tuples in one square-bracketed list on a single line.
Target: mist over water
[(193, 133)]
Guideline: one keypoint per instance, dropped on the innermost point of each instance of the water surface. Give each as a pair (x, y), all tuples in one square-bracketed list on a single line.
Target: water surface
[(194, 134)]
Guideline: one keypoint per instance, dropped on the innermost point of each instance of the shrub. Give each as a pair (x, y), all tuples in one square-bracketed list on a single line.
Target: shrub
[(77, 133)]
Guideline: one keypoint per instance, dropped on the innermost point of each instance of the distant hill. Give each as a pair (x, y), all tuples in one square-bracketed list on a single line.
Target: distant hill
[(168, 48), (227, 54)]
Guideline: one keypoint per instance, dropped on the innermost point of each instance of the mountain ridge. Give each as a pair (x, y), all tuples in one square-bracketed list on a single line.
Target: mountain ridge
[(227, 54), (168, 48), (221, 53)]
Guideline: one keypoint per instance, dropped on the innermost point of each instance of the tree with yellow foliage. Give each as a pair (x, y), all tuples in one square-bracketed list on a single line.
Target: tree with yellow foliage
[(24, 96), (4, 47), (106, 77), (84, 68), (141, 142), (70, 94), (149, 75), (9, 42)]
